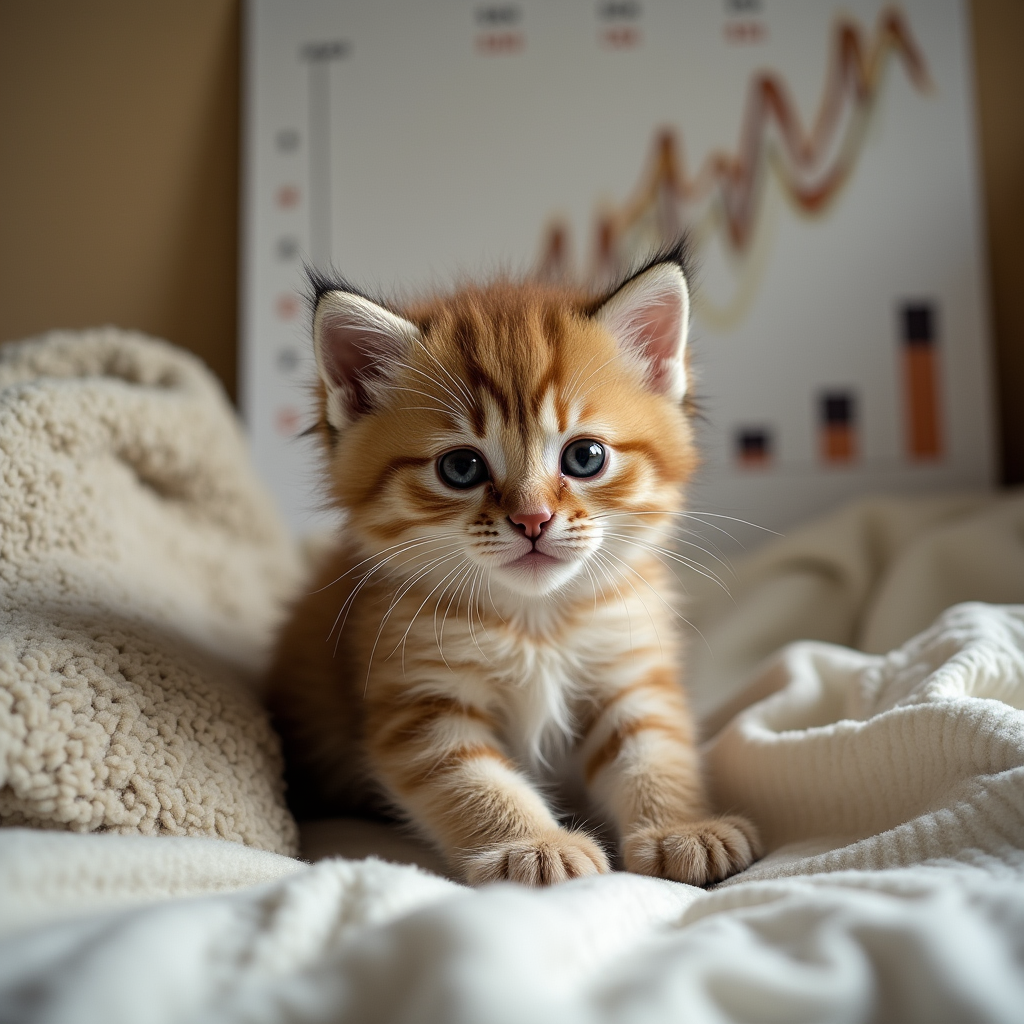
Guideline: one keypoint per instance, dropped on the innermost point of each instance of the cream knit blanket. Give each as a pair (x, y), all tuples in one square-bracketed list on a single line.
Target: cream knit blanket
[(890, 791), (142, 571)]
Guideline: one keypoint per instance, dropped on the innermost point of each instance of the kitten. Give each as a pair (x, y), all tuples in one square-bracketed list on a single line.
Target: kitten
[(509, 459)]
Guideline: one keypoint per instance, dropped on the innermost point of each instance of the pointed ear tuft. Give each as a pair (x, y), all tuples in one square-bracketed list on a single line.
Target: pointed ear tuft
[(356, 342), (649, 316)]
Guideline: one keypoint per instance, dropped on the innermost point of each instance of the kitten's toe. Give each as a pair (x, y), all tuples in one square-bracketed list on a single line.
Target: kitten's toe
[(696, 852), (541, 860)]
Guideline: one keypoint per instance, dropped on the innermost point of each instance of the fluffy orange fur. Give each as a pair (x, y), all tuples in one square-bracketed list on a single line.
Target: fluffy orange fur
[(465, 646)]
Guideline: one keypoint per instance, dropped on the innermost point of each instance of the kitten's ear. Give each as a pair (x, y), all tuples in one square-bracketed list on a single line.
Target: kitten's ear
[(650, 316), (356, 342)]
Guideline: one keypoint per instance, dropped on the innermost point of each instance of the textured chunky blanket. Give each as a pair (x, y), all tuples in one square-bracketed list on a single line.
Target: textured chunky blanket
[(889, 787), (142, 572)]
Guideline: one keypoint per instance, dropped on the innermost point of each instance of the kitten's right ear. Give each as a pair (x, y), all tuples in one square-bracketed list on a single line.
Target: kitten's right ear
[(356, 342), (649, 316)]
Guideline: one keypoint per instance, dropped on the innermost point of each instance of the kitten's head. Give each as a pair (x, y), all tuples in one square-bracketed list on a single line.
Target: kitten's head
[(523, 436)]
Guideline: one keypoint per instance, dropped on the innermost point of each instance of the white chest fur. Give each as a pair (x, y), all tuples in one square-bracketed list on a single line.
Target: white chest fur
[(536, 682)]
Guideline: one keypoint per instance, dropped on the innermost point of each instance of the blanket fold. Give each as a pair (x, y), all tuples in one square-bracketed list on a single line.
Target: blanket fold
[(870, 576), (142, 572), (868, 762)]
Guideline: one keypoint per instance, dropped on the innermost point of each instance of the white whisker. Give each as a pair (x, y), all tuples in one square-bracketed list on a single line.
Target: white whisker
[(675, 556), (458, 587), (402, 591), (689, 543), (654, 625), (674, 611), (364, 579), (490, 597), (405, 636), (470, 607), (414, 542), (593, 587), (455, 380), (458, 399), (447, 406)]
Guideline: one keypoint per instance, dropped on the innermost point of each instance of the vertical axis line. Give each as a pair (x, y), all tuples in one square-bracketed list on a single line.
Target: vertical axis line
[(320, 162)]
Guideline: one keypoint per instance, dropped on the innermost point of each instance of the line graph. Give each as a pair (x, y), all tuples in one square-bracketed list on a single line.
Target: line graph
[(725, 195), (829, 188)]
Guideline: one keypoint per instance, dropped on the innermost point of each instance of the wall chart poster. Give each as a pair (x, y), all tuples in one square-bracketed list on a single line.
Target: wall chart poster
[(821, 155)]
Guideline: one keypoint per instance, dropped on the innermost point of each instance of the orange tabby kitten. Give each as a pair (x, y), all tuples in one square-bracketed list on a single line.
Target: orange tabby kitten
[(508, 458)]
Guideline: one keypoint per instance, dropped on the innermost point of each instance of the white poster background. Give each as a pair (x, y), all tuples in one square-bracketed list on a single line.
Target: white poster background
[(409, 144)]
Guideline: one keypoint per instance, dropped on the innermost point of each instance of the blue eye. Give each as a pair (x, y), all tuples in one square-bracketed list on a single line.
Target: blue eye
[(583, 458), (462, 468)]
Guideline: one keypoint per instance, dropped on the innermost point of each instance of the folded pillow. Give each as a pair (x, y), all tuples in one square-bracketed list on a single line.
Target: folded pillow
[(143, 570)]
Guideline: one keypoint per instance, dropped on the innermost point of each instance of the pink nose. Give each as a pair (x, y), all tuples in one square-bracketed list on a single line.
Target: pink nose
[(531, 522)]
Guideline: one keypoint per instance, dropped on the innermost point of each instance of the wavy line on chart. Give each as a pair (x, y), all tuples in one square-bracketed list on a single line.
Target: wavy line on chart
[(810, 166)]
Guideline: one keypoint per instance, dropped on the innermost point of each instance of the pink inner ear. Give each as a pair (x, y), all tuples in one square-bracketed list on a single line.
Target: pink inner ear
[(351, 352), (346, 349), (648, 315), (658, 334), (652, 325)]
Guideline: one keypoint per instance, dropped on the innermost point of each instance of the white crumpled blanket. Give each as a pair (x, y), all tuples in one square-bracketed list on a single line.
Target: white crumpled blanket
[(890, 790)]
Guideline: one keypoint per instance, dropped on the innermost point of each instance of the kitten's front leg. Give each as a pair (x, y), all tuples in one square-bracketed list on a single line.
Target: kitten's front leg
[(442, 762), (641, 762)]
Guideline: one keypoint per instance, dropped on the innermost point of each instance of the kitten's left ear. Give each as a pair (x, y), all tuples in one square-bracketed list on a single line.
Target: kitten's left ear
[(649, 316)]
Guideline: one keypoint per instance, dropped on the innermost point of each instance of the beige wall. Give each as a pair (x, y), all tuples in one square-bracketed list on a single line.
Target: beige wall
[(119, 172), (119, 169)]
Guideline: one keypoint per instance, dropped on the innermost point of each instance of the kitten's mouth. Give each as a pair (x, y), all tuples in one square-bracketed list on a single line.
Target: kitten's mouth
[(534, 561), (537, 573)]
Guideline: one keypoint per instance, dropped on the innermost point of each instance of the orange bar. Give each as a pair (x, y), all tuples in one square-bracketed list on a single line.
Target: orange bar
[(620, 38), (920, 374), (754, 460), (754, 447), (500, 42), (838, 442)]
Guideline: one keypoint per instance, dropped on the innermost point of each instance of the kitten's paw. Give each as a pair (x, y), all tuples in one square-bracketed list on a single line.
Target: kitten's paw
[(542, 860), (697, 852)]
